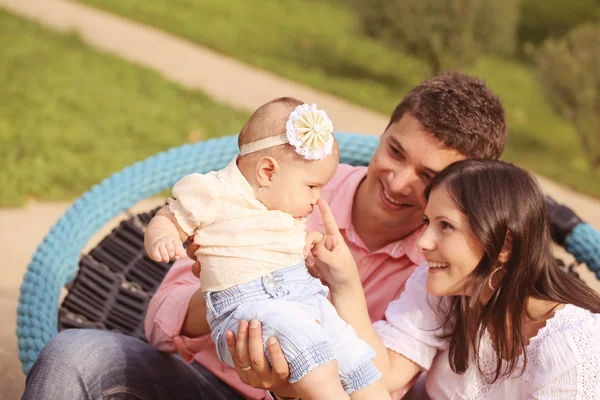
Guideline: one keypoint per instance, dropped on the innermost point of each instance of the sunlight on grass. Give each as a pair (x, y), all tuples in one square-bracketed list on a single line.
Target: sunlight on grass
[(320, 44), (71, 116)]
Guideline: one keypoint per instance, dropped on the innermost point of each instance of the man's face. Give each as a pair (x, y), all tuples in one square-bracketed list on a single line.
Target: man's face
[(405, 161)]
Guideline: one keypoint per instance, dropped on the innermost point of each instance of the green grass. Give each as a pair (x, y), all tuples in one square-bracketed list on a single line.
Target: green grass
[(320, 43), (71, 116)]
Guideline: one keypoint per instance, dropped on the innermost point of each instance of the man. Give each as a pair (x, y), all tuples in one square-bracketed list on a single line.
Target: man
[(379, 210)]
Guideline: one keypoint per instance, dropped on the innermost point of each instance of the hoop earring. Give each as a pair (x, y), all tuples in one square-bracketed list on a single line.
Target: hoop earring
[(492, 275)]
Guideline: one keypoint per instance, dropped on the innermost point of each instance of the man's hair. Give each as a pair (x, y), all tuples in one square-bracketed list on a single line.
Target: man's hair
[(268, 120), (460, 111)]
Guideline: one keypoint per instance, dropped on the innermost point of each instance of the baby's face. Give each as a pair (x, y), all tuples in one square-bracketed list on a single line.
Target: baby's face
[(296, 187)]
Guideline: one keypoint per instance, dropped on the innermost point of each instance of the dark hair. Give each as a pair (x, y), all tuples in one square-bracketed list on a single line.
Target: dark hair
[(460, 111), (497, 198)]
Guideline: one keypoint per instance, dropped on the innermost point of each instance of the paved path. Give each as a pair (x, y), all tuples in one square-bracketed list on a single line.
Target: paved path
[(221, 77)]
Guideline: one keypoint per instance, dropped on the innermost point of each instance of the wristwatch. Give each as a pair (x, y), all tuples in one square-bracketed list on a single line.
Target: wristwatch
[(277, 397)]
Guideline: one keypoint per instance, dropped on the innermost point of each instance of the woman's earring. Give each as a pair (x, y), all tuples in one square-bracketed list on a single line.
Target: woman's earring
[(492, 275), (260, 187)]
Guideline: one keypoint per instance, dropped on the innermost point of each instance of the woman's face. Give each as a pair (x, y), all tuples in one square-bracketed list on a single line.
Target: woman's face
[(449, 246)]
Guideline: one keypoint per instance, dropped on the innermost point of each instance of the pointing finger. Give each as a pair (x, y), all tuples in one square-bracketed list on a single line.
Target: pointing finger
[(329, 223)]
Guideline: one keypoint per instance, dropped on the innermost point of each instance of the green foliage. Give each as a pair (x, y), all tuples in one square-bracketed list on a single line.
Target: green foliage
[(322, 44), (445, 33), (569, 70), (542, 19), (71, 116)]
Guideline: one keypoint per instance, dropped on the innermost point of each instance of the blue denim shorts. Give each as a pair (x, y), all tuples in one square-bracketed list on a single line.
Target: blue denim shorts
[(293, 306)]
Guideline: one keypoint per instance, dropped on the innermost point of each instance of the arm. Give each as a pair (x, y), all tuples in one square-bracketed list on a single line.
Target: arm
[(337, 267), (176, 316), (178, 310), (163, 239), (397, 370), (195, 205)]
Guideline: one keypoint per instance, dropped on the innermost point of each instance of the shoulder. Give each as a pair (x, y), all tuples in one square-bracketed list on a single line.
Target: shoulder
[(196, 184), (199, 179), (570, 340)]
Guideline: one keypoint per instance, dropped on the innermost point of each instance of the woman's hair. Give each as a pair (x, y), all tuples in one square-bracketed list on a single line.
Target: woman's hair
[(497, 198)]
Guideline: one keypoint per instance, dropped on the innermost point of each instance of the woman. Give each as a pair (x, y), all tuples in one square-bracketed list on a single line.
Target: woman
[(490, 316)]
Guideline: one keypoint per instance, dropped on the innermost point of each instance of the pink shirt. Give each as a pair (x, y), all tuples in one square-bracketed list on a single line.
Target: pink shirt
[(383, 274)]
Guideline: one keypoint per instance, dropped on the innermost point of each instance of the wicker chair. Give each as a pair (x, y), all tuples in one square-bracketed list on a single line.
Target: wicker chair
[(114, 282)]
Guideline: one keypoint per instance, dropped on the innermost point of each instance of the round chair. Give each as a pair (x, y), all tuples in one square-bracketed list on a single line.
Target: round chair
[(116, 280), (56, 260)]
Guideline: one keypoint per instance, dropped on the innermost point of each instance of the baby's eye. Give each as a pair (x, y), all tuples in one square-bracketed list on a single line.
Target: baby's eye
[(311, 187)]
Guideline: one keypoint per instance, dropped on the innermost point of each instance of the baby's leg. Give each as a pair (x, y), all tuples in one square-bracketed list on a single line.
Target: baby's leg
[(359, 376), (321, 383), (313, 369)]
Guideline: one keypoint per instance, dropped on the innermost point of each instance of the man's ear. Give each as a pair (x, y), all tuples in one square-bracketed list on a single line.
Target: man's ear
[(506, 252), (266, 168)]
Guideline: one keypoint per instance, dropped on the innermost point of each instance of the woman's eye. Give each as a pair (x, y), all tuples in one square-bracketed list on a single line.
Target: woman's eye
[(426, 177), (446, 225)]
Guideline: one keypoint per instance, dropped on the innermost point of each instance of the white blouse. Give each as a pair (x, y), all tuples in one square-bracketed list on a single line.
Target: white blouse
[(563, 359), (240, 238)]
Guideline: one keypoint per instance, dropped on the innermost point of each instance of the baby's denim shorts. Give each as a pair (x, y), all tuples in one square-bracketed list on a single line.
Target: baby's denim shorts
[(293, 306)]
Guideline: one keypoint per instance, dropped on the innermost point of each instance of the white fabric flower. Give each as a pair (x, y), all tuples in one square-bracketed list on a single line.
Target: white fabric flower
[(310, 131)]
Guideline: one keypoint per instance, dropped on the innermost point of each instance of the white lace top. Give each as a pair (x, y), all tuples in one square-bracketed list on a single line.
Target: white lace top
[(563, 359)]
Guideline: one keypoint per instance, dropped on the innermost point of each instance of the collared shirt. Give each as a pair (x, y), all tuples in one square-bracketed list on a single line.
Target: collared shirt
[(383, 274), (240, 238)]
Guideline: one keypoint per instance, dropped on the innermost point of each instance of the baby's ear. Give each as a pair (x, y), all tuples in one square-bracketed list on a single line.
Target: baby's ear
[(266, 168)]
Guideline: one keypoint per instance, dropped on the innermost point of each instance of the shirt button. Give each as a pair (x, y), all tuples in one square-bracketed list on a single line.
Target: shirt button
[(271, 284), (364, 261)]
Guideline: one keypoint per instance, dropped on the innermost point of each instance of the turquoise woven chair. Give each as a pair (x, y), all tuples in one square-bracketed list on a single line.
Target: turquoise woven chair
[(56, 259)]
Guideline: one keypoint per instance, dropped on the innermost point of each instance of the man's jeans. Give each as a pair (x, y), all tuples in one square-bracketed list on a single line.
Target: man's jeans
[(93, 364)]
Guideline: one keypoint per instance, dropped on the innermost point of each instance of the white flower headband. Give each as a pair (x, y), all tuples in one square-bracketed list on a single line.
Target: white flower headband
[(308, 129)]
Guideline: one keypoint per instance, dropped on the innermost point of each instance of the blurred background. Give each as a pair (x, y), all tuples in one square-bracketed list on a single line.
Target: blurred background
[(76, 107)]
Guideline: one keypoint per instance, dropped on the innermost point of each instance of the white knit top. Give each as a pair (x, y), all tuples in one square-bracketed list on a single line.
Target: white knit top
[(563, 359)]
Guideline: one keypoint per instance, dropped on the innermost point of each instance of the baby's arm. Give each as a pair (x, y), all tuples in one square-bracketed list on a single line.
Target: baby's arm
[(164, 237)]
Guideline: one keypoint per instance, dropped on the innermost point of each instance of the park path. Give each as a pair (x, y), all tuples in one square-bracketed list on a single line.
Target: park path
[(221, 77)]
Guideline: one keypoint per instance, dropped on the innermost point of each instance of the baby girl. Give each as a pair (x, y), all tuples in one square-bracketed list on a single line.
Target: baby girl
[(249, 220)]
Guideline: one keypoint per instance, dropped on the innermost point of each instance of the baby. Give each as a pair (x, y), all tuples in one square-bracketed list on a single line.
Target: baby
[(249, 220)]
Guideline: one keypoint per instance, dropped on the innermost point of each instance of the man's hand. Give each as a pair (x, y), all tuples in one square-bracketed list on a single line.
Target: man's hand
[(247, 350), (167, 248)]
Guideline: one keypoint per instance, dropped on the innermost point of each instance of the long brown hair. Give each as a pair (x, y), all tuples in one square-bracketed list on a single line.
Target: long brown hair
[(498, 197)]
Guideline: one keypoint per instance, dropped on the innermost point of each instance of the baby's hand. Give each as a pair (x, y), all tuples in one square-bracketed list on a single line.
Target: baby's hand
[(167, 248), (312, 238)]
